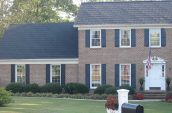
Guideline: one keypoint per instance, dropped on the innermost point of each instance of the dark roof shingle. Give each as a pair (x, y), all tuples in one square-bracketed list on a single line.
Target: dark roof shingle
[(134, 12), (39, 41)]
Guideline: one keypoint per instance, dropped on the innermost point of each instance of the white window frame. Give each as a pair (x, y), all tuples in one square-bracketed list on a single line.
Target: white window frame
[(154, 29), (91, 75), (91, 33), (120, 73), (51, 73), (16, 72), (120, 37)]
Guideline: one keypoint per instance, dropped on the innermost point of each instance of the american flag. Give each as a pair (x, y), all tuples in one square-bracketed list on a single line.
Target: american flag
[(148, 64)]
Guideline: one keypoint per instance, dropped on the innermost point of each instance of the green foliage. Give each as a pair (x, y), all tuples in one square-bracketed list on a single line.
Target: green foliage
[(141, 81), (15, 87), (73, 88), (34, 88), (131, 89), (51, 88), (101, 89), (5, 97), (168, 81), (110, 90), (36, 11)]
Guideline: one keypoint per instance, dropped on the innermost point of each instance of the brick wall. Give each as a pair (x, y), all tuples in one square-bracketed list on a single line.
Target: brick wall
[(5, 75), (111, 55), (37, 74)]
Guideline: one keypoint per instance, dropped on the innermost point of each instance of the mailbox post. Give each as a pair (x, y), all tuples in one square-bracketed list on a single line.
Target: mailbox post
[(122, 98)]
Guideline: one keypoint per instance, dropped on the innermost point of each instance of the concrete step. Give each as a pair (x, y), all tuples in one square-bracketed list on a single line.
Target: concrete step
[(154, 95)]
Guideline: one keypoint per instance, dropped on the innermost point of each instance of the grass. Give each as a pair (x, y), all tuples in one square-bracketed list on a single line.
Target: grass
[(54, 105)]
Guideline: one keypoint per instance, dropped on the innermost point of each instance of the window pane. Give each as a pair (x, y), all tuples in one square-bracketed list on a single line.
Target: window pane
[(96, 75), (95, 38), (21, 74), (125, 37), (155, 37), (125, 75), (56, 74)]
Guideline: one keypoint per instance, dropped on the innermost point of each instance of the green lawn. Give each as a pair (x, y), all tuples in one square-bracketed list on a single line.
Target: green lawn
[(54, 105)]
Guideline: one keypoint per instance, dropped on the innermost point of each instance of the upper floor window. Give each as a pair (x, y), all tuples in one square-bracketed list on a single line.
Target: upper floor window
[(125, 74), (20, 73), (95, 72), (125, 38), (155, 38), (95, 38), (55, 74)]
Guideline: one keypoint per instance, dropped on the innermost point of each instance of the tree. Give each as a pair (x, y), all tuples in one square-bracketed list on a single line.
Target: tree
[(37, 11)]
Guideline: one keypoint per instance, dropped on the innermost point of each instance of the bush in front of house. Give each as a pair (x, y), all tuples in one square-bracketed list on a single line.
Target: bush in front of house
[(101, 89), (51, 88), (74, 88), (131, 89), (168, 97), (34, 88), (138, 96), (110, 90), (15, 88), (19, 88), (5, 97)]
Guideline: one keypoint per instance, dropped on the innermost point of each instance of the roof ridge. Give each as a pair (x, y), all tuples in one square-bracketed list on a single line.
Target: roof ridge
[(124, 2)]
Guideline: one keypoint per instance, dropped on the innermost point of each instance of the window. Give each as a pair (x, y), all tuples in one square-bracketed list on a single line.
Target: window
[(125, 38), (125, 74), (95, 39), (163, 70), (55, 74), (20, 73), (95, 75), (155, 38)]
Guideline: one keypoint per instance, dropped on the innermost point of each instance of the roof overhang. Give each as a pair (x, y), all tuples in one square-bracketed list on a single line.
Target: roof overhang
[(39, 61), (120, 26)]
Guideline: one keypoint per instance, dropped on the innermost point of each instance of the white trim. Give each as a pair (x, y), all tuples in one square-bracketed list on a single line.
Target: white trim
[(91, 31), (120, 73), (91, 75), (156, 29), (123, 26), (120, 39), (51, 73), (39, 61)]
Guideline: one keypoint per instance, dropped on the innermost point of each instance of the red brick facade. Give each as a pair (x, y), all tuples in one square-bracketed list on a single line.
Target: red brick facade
[(111, 55)]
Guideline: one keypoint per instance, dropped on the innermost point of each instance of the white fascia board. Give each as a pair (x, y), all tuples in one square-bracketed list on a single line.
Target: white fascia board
[(40, 61), (122, 26)]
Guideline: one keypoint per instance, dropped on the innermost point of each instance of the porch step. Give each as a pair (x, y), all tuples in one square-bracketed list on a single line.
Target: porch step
[(154, 94)]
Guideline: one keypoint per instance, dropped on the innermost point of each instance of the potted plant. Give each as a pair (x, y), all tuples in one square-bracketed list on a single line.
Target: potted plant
[(111, 104), (168, 81), (141, 81)]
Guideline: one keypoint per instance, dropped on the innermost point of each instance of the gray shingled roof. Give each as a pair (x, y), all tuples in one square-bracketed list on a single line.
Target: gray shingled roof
[(136, 12), (39, 41)]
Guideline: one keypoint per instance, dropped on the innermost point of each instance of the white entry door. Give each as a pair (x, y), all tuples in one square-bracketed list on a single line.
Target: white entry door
[(155, 80), (155, 74)]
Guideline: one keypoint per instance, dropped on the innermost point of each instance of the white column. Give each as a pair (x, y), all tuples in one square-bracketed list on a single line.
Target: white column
[(122, 98)]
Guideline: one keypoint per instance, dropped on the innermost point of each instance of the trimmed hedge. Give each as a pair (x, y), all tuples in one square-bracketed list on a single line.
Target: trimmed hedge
[(74, 88), (15, 88), (51, 88), (131, 90), (5, 97), (104, 89)]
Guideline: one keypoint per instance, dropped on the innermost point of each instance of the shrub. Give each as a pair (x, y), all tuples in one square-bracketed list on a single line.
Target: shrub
[(139, 96), (15, 87), (111, 103), (73, 88), (110, 90), (101, 89), (19, 88), (168, 97), (34, 88), (51, 88), (168, 81), (131, 89), (5, 97)]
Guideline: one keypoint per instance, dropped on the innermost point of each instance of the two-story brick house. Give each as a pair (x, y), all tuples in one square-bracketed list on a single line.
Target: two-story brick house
[(107, 44)]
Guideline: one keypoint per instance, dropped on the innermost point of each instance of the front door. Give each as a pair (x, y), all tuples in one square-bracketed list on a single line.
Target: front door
[(155, 79)]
